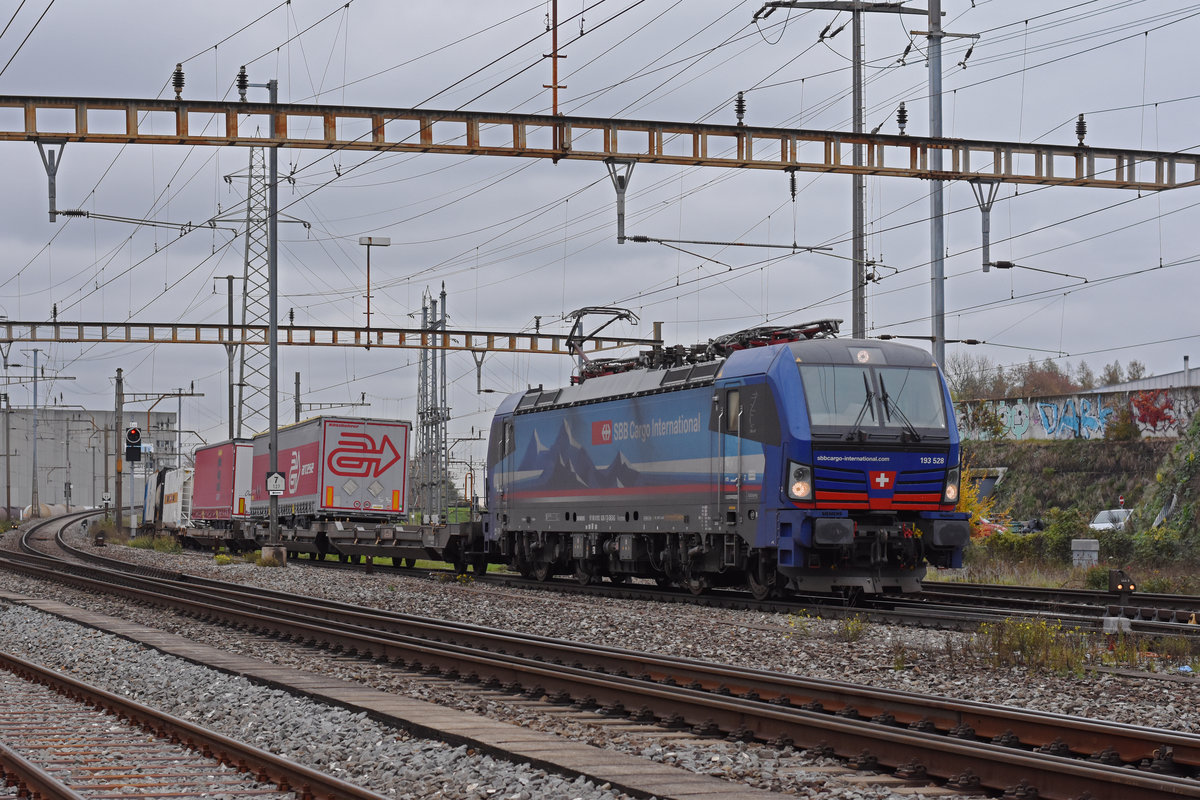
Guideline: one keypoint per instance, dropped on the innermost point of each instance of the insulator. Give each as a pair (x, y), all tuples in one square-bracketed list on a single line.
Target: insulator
[(243, 83), (902, 117), (792, 183), (1080, 129), (177, 81), (739, 106)]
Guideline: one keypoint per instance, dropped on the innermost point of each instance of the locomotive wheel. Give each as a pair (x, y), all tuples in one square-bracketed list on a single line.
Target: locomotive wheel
[(585, 574), (662, 581), (697, 584), (761, 586), (479, 564), (541, 571), (618, 577)]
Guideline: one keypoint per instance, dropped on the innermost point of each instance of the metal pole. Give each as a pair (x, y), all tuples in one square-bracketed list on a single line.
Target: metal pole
[(368, 292), (937, 235), (7, 457), (298, 384), (179, 431), (35, 508), (118, 412), (229, 353), (67, 461), (273, 304), (859, 291), (443, 419)]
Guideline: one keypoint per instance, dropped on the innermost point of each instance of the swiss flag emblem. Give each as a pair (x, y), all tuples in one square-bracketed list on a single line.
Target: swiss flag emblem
[(883, 481), (602, 432)]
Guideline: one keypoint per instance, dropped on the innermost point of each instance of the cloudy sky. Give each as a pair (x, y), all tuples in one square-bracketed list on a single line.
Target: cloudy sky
[(517, 240)]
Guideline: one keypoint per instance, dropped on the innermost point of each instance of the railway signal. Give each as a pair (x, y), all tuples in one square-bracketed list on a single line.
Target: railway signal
[(133, 444)]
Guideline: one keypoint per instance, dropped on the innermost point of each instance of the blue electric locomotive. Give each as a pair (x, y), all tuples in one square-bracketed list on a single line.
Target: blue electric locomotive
[(786, 460)]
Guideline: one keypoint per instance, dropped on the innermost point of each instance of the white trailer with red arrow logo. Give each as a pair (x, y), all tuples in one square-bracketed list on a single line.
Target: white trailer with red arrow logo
[(343, 468)]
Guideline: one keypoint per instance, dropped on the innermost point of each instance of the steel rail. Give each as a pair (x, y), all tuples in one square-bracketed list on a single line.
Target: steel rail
[(31, 780), (748, 713), (286, 774)]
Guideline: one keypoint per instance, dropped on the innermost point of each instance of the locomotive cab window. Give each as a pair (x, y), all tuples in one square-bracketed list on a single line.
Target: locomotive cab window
[(748, 411), (733, 410), (911, 397), (885, 398)]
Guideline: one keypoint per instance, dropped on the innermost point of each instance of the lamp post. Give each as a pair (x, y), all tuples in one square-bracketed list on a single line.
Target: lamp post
[(369, 242)]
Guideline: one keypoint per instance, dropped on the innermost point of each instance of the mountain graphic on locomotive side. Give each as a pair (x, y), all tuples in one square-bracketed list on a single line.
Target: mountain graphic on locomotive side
[(782, 459)]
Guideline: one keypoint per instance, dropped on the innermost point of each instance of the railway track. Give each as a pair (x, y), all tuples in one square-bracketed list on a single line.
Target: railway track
[(956, 606), (60, 738), (970, 746)]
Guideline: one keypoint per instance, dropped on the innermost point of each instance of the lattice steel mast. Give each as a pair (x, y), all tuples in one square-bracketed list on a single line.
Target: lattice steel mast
[(254, 401), (433, 414)]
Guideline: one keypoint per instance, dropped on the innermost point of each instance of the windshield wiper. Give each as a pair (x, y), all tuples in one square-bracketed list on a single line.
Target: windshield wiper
[(909, 428), (855, 431)]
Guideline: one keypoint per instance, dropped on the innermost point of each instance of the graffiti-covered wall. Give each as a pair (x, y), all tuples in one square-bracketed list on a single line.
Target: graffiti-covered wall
[(1155, 412)]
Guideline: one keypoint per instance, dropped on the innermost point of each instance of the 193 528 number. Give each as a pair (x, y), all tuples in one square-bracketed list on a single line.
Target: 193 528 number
[(933, 459)]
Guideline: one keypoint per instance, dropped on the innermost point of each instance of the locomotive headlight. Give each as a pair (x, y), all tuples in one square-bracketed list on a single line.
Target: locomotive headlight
[(950, 493), (799, 482)]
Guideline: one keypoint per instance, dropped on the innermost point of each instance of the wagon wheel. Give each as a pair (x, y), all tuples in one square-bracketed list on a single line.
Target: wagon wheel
[(479, 563), (697, 584), (618, 577), (542, 571), (662, 581), (585, 573)]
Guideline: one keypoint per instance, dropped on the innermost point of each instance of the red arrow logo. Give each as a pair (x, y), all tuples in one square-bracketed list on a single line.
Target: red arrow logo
[(357, 455)]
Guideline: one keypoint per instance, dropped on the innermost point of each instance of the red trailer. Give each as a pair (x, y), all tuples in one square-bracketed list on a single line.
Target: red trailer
[(336, 468), (221, 487)]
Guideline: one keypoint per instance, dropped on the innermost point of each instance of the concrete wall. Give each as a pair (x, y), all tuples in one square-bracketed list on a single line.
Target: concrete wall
[(72, 446), (1156, 412)]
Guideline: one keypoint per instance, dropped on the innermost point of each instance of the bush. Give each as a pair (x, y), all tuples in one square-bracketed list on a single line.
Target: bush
[(978, 507), (1121, 426), (1049, 546), (1096, 578), (1115, 546)]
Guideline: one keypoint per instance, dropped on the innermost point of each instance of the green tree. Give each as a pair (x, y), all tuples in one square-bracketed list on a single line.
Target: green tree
[(1085, 377), (1111, 374), (1135, 371)]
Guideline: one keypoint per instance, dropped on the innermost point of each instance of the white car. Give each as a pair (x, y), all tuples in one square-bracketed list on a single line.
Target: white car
[(1112, 519)]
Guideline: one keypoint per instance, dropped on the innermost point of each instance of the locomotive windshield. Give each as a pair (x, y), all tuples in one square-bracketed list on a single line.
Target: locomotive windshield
[(873, 397)]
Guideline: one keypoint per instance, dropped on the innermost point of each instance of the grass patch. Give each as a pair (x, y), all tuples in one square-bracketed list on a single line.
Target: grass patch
[(1036, 644), (851, 628), (1040, 645), (159, 544)]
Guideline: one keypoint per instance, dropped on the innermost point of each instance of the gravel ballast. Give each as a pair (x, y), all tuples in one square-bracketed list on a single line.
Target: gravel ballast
[(930, 662)]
